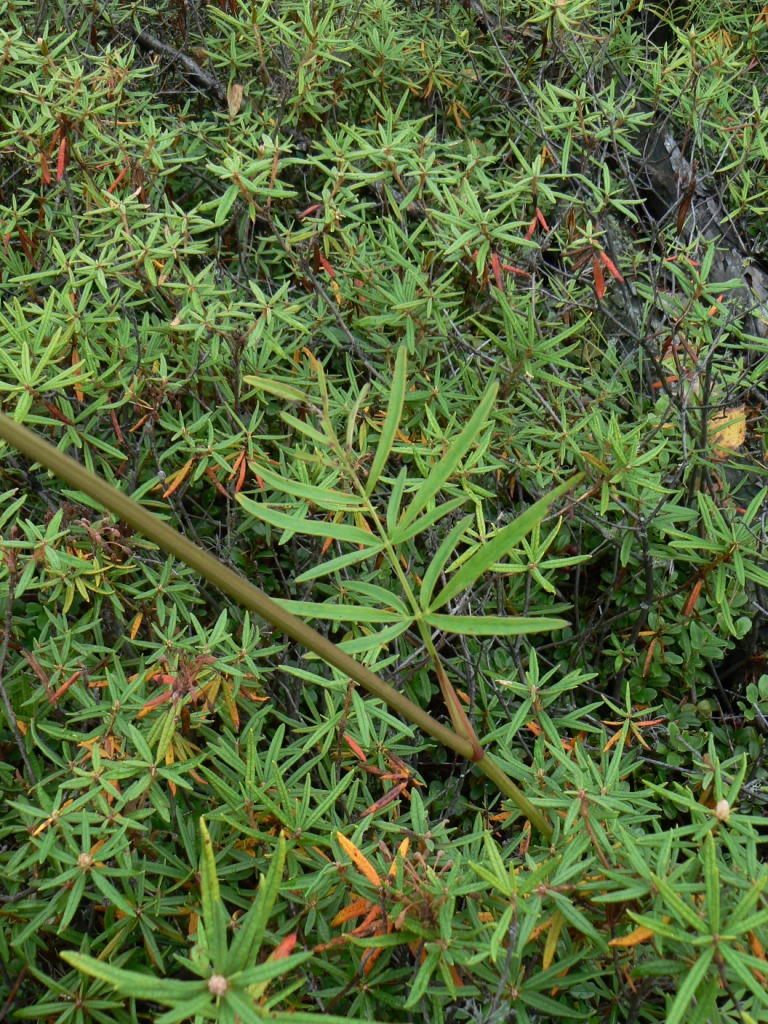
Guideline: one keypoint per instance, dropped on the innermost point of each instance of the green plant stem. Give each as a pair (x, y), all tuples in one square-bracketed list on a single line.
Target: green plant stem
[(255, 600)]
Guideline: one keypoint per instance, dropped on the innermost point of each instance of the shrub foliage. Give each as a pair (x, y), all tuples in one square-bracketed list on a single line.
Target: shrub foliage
[(340, 291)]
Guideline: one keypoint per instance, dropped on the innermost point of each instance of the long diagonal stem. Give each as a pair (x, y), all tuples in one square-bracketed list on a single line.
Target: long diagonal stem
[(249, 596)]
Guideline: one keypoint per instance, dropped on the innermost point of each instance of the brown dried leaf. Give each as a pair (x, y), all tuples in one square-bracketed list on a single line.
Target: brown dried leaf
[(234, 98)]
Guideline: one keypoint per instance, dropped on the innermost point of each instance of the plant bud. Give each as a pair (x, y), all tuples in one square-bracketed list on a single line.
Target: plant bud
[(217, 985), (723, 811)]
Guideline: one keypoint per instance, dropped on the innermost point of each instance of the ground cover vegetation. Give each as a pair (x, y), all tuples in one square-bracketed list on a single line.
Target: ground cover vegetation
[(341, 291)]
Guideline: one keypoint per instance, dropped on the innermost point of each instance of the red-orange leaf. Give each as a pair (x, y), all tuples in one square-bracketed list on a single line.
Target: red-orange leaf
[(117, 180), (211, 474), (325, 264), (284, 948), (611, 266), (310, 209), (514, 270), (597, 270), (61, 163), (179, 478), (693, 597), (357, 750), (354, 910), (65, 686)]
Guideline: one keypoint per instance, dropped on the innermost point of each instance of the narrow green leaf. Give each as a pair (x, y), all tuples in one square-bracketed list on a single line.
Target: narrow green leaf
[(391, 421), (442, 555), (739, 925), (340, 612), (711, 882), (73, 902), (488, 876), (224, 205), (492, 625), (681, 1006), (579, 921), (497, 547), (381, 638), (114, 895), (446, 466), (272, 969), (681, 910), (395, 500), (140, 745), (308, 527), (192, 1010), (243, 1009), (379, 594), (306, 429), (736, 961), (214, 914), (706, 1009), (330, 799), (277, 388), (549, 1009), (131, 983), (342, 562), (418, 987), (401, 534), (250, 935), (167, 733), (499, 940), (498, 870), (208, 874), (323, 497)]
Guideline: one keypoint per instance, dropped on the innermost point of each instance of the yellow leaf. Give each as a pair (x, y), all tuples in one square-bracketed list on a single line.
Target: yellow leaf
[(555, 927), (402, 851), (634, 938), (728, 430), (361, 862)]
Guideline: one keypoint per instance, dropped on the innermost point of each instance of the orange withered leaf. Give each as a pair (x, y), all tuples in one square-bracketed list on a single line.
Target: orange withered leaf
[(178, 478), (640, 934), (610, 266), (597, 273), (357, 750), (757, 949), (349, 913), (360, 861), (284, 948)]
